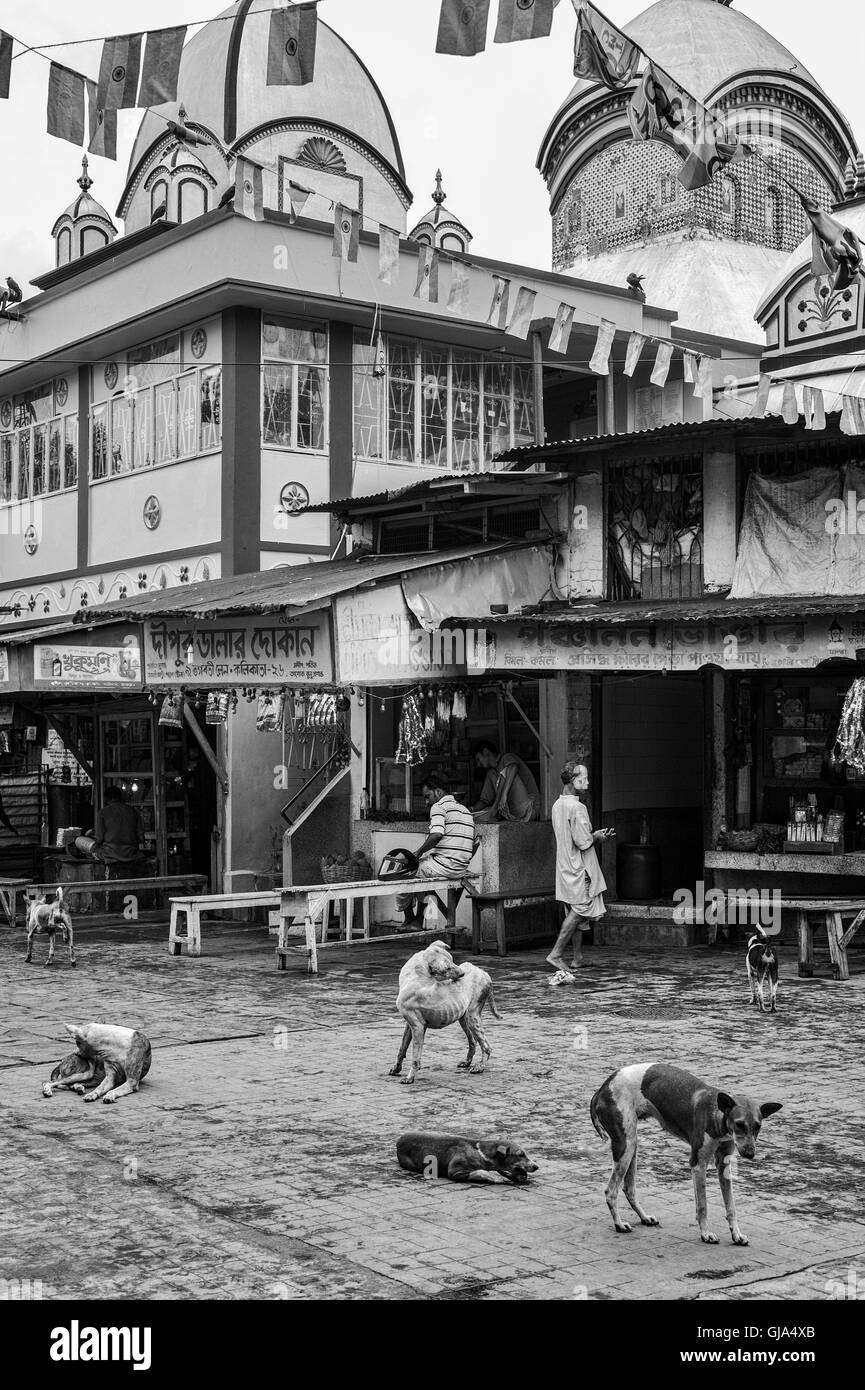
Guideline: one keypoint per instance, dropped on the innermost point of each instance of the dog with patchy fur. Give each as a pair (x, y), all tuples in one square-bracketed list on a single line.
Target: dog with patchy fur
[(49, 918), (463, 1160), (112, 1060), (713, 1123), (433, 993), (761, 962)]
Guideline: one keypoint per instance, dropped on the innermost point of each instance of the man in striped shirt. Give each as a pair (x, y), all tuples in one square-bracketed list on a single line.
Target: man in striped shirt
[(447, 849)]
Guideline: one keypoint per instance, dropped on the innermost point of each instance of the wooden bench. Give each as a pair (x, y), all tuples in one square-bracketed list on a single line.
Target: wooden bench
[(9, 890), (190, 911), (313, 902), (106, 886), (828, 912), (500, 902)]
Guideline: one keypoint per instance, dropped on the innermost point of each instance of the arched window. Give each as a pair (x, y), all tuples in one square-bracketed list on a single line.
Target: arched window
[(158, 196), (774, 216), (191, 200), (453, 243), (423, 240), (92, 239), (64, 247), (730, 198)]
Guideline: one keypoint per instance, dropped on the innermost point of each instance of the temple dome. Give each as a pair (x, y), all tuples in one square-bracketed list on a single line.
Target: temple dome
[(441, 228)]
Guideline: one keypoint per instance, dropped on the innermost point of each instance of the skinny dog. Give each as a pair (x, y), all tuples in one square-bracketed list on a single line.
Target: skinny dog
[(463, 1160), (114, 1060), (433, 992), (49, 918), (761, 961), (711, 1121)]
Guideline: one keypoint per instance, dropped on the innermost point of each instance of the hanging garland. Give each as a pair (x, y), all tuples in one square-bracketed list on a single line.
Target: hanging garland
[(850, 743)]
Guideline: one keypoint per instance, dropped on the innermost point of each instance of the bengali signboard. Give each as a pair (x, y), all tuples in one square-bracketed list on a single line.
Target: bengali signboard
[(60, 666), (735, 645), (380, 642), (243, 651)]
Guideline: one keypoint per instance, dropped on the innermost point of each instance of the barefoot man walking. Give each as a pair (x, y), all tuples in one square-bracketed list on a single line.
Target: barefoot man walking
[(579, 882)]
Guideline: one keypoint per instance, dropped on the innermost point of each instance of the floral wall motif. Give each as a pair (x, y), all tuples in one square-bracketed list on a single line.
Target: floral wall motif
[(814, 309), (67, 597)]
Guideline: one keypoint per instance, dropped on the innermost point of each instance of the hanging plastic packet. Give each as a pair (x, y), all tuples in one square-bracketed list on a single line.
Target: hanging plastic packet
[(271, 707), (171, 714), (217, 707)]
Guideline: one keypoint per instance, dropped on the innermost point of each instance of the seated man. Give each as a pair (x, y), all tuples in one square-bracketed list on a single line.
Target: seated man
[(510, 792), (447, 850), (119, 834)]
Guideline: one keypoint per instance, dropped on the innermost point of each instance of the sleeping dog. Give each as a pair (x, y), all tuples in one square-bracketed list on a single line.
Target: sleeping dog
[(463, 1160), (49, 918), (113, 1060)]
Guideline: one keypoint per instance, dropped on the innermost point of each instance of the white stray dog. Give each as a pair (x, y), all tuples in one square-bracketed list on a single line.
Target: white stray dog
[(116, 1058), (49, 918), (434, 992)]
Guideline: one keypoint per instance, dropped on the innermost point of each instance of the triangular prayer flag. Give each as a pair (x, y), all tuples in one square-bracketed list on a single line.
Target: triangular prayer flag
[(291, 45), (298, 197), (388, 255), (346, 233), (818, 410), (498, 314), (66, 104), (427, 287), (761, 399), (118, 72), (103, 126), (600, 362), (161, 66), (601, 52), (524, 19), (636, 343), (463, 27), (5, 63), (661, 369), (560, 336), (249, 189), (689, 363), (835, 249), (458, 299), (521, 321), (789, 404)]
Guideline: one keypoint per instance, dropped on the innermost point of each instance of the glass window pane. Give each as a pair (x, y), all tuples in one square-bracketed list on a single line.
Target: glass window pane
[(277, 409), (210, 398), (287, 340), (310, 408), (70, 461), (400, 401), (23, 489), (121, 435), (55, 440), (368, 402), (143, 426), (99, 442), (156, 362), (466, 405), (165, 405), (497, 408), (40, 451), (6, 467), (187, 415), (434, 406), (524, 407)]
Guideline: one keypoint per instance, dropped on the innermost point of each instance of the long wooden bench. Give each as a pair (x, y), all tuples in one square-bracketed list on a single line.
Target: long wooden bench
[(812, 913), (106, 886), (499, 902), (189, 911)]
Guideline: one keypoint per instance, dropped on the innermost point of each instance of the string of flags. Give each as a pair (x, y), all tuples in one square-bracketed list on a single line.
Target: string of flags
[(813, 408)]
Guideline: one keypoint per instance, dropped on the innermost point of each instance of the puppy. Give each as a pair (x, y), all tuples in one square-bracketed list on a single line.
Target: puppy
[(761, 962), (49, 918), (111, 1059), (463, 1160)]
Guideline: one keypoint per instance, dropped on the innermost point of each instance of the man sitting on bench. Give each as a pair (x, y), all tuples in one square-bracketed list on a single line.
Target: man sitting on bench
[(119, 834), (447, 850)]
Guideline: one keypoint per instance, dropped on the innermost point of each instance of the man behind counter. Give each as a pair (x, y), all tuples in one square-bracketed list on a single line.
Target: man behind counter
[(510, 792)]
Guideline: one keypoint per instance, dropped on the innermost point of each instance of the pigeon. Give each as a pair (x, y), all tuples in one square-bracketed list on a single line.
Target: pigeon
[(10, 293), (159, 213), (635, 285), (227, 197)]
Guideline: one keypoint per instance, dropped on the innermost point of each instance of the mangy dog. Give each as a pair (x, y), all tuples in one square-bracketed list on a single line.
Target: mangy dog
[(761, 962), (49, 918), (463, 1160), (114, 1060), (434, 992), (712, 1122)]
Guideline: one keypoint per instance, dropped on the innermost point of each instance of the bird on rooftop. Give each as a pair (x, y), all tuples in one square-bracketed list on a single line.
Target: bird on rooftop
[(10, 293), (635, 285)]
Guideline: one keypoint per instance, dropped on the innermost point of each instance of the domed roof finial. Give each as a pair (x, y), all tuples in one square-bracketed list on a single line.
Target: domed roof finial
[(439, 195), (85, 182)]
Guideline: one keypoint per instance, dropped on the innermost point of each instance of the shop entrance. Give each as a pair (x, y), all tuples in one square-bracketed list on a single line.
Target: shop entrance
[(652, 770)]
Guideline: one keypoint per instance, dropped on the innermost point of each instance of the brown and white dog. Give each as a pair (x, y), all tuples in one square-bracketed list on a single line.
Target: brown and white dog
[(710, 1121), (49, 918), (433, 993), (463, 1160), (113, 1060)]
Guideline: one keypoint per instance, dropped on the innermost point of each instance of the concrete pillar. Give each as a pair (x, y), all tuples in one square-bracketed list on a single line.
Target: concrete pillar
[(719, 518)]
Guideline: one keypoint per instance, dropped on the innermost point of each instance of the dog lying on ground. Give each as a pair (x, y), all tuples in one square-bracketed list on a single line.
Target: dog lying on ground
[(113, 1060), (761, 962), (463, 1160), (433, 993), (49, 919), (711, 1121)]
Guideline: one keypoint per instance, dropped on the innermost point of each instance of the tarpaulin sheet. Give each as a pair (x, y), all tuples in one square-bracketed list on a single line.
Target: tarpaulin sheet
[(799, 535), (468, 588)]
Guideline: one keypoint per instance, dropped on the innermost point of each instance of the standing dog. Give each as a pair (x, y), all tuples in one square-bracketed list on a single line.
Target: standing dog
[(463, 1160), (761, 961), (433, 992), (117, 1059), (712, 1122), (49, 918)]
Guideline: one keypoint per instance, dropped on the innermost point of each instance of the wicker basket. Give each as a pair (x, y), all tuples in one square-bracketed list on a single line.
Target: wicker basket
[(345, 873)]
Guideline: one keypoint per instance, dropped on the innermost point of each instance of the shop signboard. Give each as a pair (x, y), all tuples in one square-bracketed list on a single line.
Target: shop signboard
[(68, 666), (379, 642), (759, 644), (240, 651)]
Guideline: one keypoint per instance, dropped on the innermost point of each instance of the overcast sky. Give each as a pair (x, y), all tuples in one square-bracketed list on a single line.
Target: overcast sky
[(482, 119)]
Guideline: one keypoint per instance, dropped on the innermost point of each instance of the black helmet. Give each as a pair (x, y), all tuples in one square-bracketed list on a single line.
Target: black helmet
[(398, 863)]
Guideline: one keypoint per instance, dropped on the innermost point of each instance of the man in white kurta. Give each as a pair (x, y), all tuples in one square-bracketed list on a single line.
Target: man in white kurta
[(580, 884)]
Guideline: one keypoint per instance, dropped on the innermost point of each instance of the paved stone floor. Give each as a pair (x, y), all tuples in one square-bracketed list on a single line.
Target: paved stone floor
[(257, 1161)]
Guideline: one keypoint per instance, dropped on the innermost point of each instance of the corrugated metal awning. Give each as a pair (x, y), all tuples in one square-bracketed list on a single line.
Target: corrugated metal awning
[(688, 611)]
